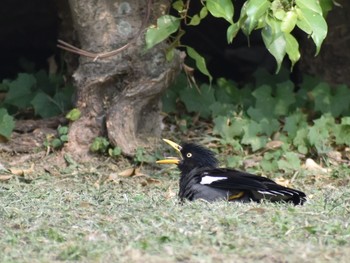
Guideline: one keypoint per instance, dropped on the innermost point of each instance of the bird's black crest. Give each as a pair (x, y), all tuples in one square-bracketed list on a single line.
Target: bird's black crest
[(199, 156)]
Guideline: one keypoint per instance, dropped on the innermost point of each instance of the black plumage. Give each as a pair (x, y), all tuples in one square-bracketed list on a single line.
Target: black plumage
[(202, 179)]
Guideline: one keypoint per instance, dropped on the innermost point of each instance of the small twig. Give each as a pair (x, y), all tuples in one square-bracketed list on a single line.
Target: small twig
[(68, 47)]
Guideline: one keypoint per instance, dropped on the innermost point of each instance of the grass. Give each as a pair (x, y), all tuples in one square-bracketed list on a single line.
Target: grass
[(80, 218)]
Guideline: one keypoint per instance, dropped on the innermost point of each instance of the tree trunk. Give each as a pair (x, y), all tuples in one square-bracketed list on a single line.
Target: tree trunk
[(118, 96), (333, 62)]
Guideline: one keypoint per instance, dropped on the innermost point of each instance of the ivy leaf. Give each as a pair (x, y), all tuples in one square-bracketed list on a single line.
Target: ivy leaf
[(198, 102), (221, 9), (20, 91), (251, 136), (221, 109), (264, 106), (44, 105), (166, 25), (342, 134), (300, 140), (7, 124), (285, 97), (289, 162), (200, 62), (294, 122), (318, 134), (227, 128), (322, 97), (340, 101), (269, 126)]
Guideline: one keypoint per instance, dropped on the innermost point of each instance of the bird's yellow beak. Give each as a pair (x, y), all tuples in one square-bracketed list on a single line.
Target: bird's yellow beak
[(171, 160)]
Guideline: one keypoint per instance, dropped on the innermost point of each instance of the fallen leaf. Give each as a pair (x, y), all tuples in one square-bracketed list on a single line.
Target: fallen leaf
[(21, 172), (112, 177), (139, 173), (252, 162), (282, 181), (5, 177), (273, 145), (151, 180), (311, 165), (257, 210), (127, 173), (334, 157), (169, 193)]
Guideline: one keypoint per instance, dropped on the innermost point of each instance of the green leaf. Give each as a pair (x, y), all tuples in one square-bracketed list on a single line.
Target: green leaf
[(219, 108), (166, 25), (264, 106), (342, 134), (56, 143), (178, 5), (285, 98), (74, 114), (7, 124), (232, 32), (62, 130), (300, 140), (20, 91), (251, 136), (221, 9), (255, 9), (198, 102), (100, 144), (340, 101), (200, 62), (311, 21), (44, 105), (326, 6), (289, 162), (269, 126), (312, 5), (294, 122), (292, 48), (228, 128), (322, 97), (274, 40), (116, 151), (63, 98), (196, 19), (319, 134), (277, 9), (289, 21)]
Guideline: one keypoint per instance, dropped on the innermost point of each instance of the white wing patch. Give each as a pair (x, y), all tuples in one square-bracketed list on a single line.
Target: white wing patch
[(209, 179)]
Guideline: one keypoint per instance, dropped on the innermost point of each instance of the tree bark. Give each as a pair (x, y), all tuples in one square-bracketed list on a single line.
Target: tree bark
[(333, 61), (120, 95)]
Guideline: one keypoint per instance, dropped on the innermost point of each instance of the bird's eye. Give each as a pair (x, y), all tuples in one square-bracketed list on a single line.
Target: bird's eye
[(189, 155)]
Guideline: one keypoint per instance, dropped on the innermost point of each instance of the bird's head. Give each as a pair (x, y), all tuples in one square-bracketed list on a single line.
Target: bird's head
[(191, 156)]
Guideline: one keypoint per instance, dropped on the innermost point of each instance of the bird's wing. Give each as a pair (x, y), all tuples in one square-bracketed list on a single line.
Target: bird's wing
[(231, 179)]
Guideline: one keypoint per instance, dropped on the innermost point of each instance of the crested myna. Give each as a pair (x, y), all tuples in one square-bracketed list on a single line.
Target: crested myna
[(202, 179)]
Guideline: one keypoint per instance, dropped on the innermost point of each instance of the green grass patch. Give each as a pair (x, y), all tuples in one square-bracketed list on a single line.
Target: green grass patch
[(127, 221)]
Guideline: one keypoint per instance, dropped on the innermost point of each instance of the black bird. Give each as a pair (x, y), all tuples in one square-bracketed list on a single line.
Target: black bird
[(202, 179)]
